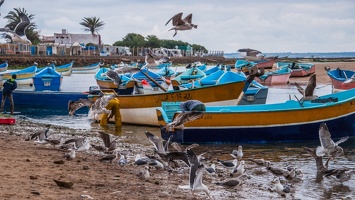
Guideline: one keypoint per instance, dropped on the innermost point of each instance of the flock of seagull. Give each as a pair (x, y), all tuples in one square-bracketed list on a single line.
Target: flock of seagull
[(170, 156)]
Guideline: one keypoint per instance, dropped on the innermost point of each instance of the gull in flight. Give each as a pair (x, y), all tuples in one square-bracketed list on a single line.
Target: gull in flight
[(309, 90), (328, 146), (18, 34), (181, 24)]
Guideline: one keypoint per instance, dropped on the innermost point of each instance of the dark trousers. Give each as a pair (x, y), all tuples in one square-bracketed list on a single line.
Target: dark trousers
[(12, 106)]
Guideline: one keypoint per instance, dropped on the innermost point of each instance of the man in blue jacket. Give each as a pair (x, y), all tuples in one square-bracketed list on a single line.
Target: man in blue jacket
[(9, 86)]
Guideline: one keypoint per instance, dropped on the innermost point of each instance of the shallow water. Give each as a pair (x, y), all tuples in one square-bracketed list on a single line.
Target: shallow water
[(279, 153)]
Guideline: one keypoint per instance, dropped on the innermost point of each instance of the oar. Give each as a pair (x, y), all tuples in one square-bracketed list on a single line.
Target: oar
[(154, 81)]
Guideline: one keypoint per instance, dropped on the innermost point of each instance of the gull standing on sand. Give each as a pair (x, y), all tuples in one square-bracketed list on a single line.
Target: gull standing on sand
[(281, 189), (71, 155), (238, 153), (40, 136), (144, 174), (181, 24), (238, 171), (328, 146)]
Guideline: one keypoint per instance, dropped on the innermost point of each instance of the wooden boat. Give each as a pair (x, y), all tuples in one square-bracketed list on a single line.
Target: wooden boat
[(140, 108), (3, 66), (190, 74), (266, 64), (24, 76), (44, 102), (298, 69), (89, 69), (64, 70), (342, 79), (289, 121), (47, 79), (276, 77), (127, 86), (198, 65)]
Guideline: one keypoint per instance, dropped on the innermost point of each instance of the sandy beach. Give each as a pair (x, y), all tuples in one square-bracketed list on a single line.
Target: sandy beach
[(28, 168)]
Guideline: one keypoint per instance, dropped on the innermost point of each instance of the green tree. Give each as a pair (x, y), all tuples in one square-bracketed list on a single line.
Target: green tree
[(153, 41), (13, 19), (92, 24), (131, 40)]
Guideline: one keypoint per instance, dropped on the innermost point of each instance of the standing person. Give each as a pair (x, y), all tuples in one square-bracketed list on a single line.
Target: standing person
[(9, 86)]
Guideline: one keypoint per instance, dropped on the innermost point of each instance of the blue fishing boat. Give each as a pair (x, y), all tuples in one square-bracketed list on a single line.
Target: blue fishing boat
[(298, 69), (47, 79), (290, 121), (341, 79), (64, 70), (24, 76), (89, 69), (104, 82), (3, 66)]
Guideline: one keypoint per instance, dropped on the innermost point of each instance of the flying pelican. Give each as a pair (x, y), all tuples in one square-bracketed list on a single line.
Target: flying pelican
[(19, 34), (181, 24)]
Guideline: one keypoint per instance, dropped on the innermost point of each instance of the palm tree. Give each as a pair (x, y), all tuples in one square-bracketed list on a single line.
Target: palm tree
[(92, 24), (13, 19)]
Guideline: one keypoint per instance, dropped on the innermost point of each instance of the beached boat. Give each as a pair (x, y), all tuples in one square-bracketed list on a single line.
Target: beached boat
[(140, 108), (276, 77), (24, 76), (89, 69), (64, 70), (292, 120), (190, 74), (104, 82), (298, 69), (342, 79), (44, 102), (3, 66), (47, 79), (266, 64)]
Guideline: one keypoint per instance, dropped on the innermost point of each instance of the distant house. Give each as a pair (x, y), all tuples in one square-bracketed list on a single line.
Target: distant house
[(70, 38)]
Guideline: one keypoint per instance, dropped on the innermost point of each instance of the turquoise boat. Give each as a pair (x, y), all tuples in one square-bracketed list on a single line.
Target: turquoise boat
[(3, 66), (89, 69), (24, 76), (290, 121), (298, 69)]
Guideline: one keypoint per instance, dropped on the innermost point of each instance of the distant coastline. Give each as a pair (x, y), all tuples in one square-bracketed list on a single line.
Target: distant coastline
[(301, 55)]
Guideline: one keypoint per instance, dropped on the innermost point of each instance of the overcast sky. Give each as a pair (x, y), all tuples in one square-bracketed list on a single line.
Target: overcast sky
[(228, 25)]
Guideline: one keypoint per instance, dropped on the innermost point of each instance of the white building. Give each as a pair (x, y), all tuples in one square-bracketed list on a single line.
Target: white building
[(71, 38)]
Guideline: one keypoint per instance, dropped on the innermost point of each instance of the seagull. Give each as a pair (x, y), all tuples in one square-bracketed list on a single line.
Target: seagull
[(151, 62), (40, 136), (138, 160), (198, 186), (157, 142), (110, 145), (350, 80), (238, 153), (122, 161), (70, 155), (233, 182), (111, 74), (54, 142), (260, 162), (211, 169), (181, 24), (156, 163), (238, 171), (110, 157), (1, 2), (144, 174), (183, 118), (80, 144), (308, 92), (328, 146), (18, 34), (281, 189), (342, 174), (76, 105), (229, 164)]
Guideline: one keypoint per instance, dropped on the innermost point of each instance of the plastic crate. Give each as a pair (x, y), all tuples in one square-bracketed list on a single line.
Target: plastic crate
[(7, 121)]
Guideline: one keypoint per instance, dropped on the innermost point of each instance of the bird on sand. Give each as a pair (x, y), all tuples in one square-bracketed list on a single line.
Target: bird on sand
[(211, 169), (144, 174), (239, 170), (229, 164), (238, 153), (71, 155), (80, 144), (19, 33), (307, 93), (54, 142), (110, 144), (180, 24), (341, 175), (328, 146), (281, 189), (40, 136)]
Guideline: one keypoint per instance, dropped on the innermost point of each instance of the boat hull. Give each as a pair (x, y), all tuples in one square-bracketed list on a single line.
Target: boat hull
[(289, 121), (91, 69), (338, 76), (146, 103), (49, 102), (24, 77), (275, 79)]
